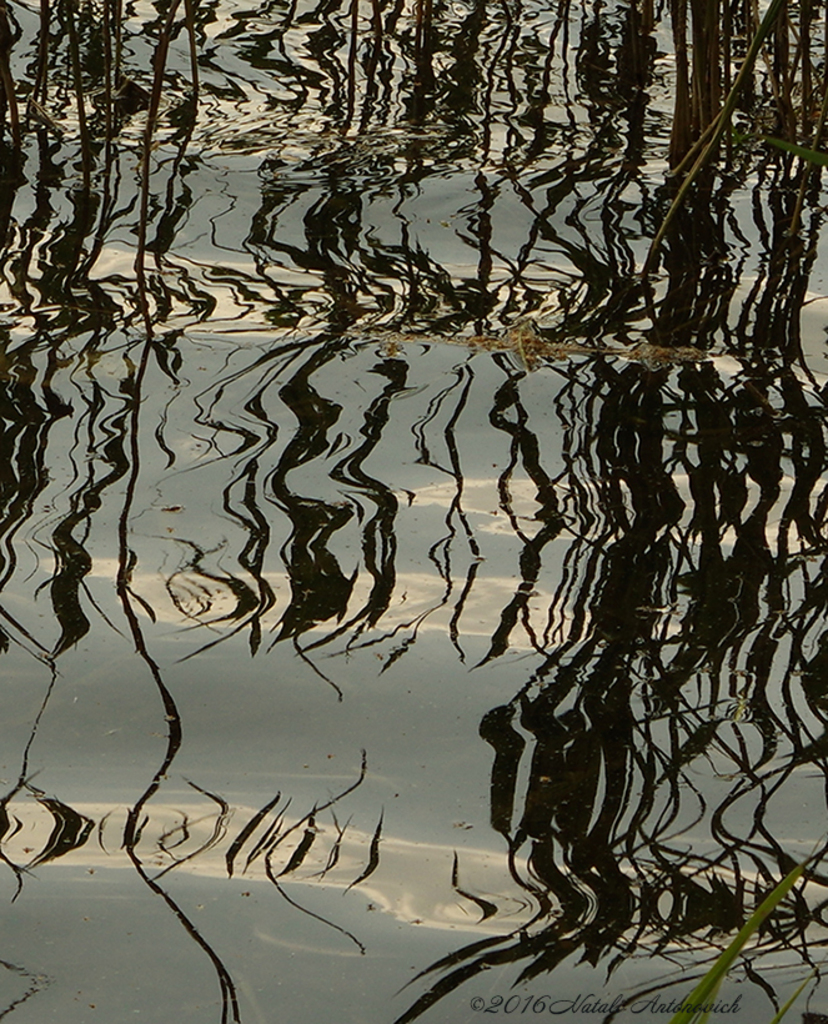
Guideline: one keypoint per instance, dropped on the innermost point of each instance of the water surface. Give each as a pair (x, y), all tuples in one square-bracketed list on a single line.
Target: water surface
[(399, 619)]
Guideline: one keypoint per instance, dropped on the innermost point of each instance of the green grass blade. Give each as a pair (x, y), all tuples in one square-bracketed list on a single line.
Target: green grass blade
[(793, 998), (811, 155), (704, 993)]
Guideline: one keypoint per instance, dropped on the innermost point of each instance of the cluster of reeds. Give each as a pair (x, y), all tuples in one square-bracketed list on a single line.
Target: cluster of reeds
[(729, 59), (722, 52), (82, 63)]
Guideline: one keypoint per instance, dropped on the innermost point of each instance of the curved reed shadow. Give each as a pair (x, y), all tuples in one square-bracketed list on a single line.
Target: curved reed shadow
[(158, 841), (676, 531), (676, 655)]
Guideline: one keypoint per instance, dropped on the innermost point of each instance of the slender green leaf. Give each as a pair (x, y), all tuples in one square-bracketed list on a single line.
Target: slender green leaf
[(793, 998), (811, 155), (705, 992), (814, 156)]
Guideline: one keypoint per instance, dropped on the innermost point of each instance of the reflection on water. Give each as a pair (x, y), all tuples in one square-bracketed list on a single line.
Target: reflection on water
[(415, 882), (402, 606)]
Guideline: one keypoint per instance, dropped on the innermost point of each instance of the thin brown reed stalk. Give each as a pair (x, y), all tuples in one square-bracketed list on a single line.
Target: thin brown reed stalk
[(41, 87), (698, 81), (189, 17), (117, 36), (10, 101), (700, 155), (77, 75), (706, 81), (159, 67), (108, 92), (681, 137), (159, 64)]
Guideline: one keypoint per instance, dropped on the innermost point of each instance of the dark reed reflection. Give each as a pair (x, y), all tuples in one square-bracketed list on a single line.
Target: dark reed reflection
[(327, 350), (663, 518), (675, 697)]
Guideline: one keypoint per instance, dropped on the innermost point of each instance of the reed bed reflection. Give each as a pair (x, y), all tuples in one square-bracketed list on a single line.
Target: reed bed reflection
[(652, 538), (325, 350)]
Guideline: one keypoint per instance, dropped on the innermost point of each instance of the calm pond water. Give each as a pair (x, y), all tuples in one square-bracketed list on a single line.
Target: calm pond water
[(405, 615)]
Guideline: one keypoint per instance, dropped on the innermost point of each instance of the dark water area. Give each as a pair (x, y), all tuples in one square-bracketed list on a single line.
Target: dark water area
[(405, 614)]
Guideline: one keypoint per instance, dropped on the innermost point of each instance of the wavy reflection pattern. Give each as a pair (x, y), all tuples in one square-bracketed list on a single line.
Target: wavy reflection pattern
[(248, 440)]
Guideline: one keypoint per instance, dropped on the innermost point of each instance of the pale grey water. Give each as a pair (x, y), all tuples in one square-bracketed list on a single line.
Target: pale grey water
[(583, 587)]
